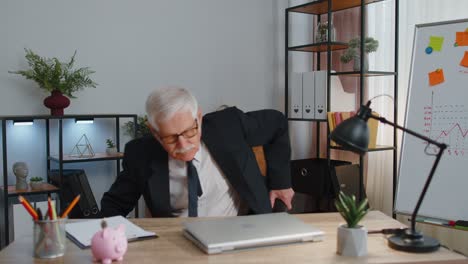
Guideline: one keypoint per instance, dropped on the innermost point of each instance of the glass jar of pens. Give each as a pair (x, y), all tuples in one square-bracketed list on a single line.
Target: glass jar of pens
[(49, 235), (49, 238)]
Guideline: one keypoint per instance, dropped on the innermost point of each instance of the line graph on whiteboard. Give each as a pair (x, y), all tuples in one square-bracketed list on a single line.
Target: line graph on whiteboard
[(447, 123)]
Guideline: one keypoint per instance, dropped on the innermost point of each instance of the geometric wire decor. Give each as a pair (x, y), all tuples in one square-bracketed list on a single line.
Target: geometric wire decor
[(83, 148)]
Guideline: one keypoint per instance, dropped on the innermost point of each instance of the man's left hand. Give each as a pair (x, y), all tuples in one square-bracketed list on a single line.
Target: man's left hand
[(284, 195)]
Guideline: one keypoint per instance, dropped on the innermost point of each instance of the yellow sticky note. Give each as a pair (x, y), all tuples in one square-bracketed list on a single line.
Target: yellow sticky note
[(436, 43)]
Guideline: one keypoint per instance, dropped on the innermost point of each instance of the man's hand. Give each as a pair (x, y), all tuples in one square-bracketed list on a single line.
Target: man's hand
[(284, 195)]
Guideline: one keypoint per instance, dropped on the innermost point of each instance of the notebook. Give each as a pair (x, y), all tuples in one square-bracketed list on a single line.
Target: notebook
[(243, 232), (82, 232)]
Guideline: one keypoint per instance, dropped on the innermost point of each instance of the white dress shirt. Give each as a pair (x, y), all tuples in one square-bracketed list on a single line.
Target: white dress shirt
[(218, 198)]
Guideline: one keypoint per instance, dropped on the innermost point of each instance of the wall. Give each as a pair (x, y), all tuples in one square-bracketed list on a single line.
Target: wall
[(222, 50), (226, 52)]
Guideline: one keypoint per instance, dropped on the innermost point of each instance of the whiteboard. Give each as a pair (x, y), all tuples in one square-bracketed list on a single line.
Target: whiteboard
[(437, 107)]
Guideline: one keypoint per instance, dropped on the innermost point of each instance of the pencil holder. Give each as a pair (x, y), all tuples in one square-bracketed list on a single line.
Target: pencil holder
[(49, 238)]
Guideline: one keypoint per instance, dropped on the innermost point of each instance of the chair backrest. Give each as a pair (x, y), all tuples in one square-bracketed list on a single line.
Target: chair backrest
[(260, 157)]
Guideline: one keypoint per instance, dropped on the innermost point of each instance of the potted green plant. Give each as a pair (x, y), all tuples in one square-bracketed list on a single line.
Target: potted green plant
[(111, 148), (352, 53), (58, 78), (36, 183), (141, 127), (351, 237)]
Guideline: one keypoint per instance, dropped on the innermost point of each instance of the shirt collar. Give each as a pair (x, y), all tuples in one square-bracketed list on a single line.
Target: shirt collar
[(199, 155)]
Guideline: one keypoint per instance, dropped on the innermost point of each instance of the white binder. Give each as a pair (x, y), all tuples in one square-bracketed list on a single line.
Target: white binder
[(320, 94), (308, 95), (295, 95)]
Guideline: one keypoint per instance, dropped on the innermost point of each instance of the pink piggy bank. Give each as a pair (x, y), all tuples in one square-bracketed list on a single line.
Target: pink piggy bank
[(109, 244)]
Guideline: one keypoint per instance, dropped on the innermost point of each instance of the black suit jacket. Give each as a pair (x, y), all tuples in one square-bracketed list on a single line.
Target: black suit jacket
[(229, 135)]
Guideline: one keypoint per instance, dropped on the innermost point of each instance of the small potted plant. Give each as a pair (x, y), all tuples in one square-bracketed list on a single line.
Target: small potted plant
[(58, 78), (352, 53), (141, 127), (351, 237), (36, 183), (111, 148)]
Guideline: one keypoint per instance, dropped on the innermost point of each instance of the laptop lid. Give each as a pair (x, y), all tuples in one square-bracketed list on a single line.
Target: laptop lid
[(241, 232)]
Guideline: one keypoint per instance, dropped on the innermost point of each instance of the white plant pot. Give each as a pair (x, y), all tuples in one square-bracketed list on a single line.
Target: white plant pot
[(36, 185), (351, 241), (111, 151)]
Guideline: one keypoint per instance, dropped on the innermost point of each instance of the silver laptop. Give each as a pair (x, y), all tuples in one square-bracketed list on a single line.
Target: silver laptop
[(242, 232)]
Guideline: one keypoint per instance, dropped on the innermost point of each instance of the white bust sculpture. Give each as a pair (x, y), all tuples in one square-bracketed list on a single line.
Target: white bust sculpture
[(20, 169)]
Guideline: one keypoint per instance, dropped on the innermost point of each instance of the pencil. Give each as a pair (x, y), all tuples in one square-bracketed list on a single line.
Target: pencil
[(70, 207), (51, 210), (28, 207)]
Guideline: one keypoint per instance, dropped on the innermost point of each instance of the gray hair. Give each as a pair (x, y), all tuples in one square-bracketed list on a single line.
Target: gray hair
[(162, 104)]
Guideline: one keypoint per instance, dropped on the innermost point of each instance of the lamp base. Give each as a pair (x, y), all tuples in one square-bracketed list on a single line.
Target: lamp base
[(410, 241)]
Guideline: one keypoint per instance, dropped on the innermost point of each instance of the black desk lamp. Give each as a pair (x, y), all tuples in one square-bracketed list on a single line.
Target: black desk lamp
[(353, 134)]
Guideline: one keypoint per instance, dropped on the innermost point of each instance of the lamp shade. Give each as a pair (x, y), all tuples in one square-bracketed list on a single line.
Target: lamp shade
[(352, 134)]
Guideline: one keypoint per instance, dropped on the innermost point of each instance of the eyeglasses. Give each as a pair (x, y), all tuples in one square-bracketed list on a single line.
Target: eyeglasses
[(189, 133)]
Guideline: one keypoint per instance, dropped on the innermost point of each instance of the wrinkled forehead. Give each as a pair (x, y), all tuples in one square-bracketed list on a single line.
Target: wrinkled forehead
[(179, 122)]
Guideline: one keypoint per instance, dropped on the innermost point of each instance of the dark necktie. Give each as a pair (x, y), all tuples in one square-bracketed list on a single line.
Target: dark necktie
[(194, 189)]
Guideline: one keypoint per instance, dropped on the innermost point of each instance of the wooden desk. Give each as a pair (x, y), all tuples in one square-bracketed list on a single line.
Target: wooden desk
[(172, 247)]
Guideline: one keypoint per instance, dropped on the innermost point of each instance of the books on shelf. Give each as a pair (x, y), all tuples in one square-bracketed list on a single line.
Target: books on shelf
[(335, 118)]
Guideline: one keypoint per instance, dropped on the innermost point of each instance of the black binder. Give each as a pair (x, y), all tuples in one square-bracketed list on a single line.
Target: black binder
[(75, 182)]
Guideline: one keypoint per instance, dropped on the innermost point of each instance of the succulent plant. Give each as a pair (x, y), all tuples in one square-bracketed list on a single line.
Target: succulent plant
[(351, 210)]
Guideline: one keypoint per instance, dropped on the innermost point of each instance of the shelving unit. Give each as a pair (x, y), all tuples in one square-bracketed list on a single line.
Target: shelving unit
[(329, 7), (10, 194)]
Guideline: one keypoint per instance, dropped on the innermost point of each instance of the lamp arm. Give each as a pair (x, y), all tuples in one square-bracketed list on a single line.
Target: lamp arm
[(441, 147), (431, 141)]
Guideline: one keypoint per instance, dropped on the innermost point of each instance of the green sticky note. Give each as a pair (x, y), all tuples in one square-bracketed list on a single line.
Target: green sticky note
[(436, 42), (462, 227)]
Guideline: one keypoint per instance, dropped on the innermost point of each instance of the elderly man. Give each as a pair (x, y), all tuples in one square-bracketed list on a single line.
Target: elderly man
[(194, 166)]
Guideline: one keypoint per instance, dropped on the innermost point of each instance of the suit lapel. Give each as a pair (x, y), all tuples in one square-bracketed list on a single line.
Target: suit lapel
[(158, 186)]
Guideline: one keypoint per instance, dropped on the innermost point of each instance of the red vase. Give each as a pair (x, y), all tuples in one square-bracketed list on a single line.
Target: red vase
[(56, 102)]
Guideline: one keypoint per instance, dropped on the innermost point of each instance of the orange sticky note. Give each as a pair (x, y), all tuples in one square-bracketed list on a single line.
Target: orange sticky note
[(462, 38), (464, 61), (436, 77)]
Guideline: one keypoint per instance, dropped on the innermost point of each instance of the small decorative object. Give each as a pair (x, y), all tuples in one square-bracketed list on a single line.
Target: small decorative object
[(352, 238), (109, 244), (352, 53), (321, 35), (141, 127), (111, 148), (82, 148), (20, 169), (36, 183), (58, 78)]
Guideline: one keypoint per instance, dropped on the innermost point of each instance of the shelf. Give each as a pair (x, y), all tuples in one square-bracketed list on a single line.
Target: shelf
[(365, 74), (378, 148), (97, 157), (307, 119), (319, 47), (381, 148), (321, 6), (45, 117), (45, 189)]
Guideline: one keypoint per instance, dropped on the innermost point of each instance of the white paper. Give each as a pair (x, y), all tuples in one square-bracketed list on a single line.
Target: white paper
[(83, 231)]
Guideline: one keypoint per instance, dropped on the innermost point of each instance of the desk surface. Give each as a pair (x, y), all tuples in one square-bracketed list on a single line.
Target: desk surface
[(172, 247)]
